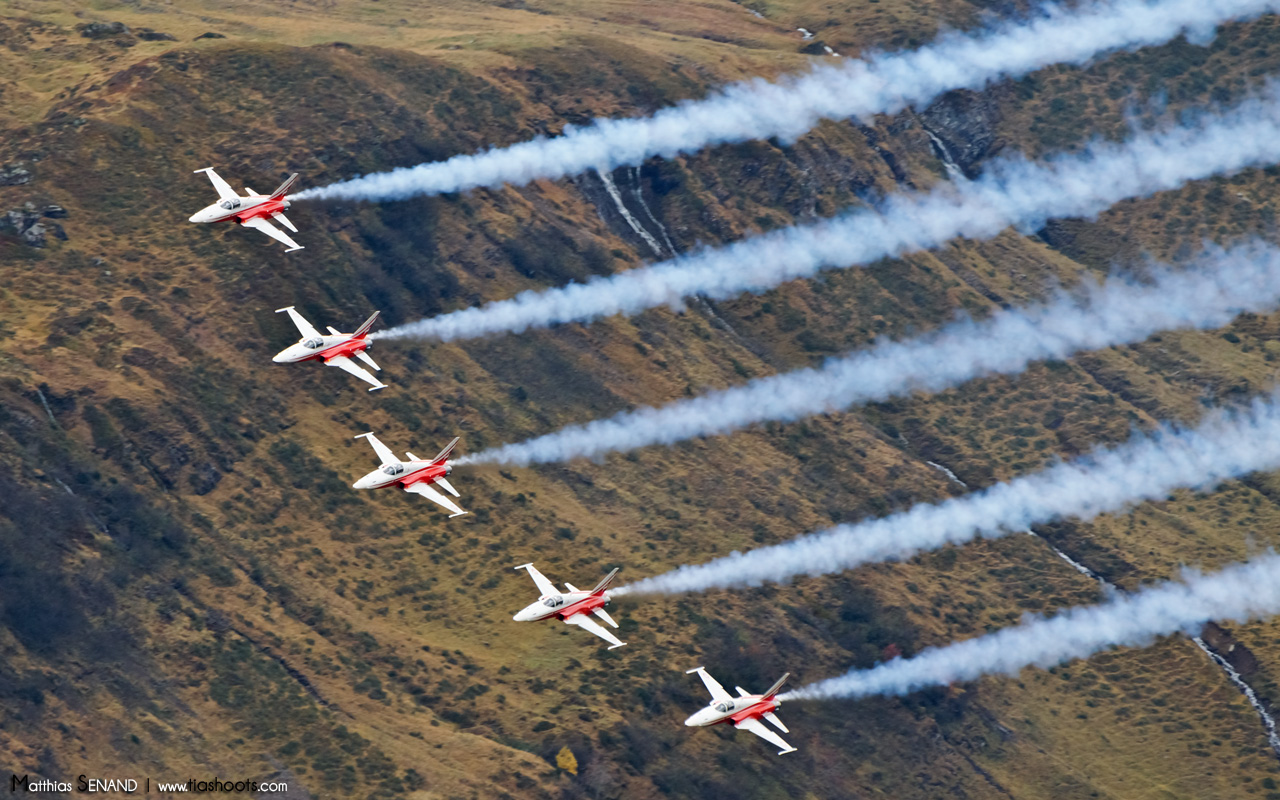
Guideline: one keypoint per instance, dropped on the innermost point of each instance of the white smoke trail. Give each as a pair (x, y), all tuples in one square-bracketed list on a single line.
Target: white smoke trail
[(759, 109), (1227, 444), (1012, 192), (1239, 593), (1219, 285)]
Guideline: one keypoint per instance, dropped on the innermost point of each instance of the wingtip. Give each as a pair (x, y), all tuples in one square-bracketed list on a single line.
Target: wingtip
[(522, 566), (789, 750), (616, 646), (292, 249), (691, 671), (364, 435), (286, 308), (459, 514), (380, 386)]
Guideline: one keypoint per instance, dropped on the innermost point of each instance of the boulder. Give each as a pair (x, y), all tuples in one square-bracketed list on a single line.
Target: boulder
[(14, 174), (149, 35), (103, 30)]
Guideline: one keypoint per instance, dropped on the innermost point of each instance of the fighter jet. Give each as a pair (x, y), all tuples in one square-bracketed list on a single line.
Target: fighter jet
[(415, 475), (334, 350), (744, 711), (572, 606), (252, 210)]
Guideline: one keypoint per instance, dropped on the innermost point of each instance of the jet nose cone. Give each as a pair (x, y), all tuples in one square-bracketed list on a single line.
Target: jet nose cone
[(194, 217), (279, 357)]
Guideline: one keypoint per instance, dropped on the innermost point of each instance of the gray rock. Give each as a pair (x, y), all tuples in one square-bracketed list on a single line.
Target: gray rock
[(210, 35), (149, 35), (966, 122), (15, 174), (103, 30), (54, 211)]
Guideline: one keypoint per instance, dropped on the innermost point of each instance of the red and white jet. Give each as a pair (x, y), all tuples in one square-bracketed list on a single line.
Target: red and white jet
[(415, 475), (744, 711), (572, 606), (335, 350), (253, 210)]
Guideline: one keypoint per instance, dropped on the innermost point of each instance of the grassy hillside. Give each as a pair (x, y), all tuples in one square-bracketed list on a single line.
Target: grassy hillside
[(191, 588)]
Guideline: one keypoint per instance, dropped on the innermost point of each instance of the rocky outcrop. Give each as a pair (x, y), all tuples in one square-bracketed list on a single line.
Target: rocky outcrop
[(30, 223), (15, 174), (965, 122)]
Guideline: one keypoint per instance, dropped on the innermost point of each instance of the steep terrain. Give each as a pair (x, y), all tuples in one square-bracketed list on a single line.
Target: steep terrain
[(189, 587)]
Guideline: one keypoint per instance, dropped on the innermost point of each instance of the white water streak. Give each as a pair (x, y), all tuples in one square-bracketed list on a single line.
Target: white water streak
[(1012, 191), (1220, 285), (1239, 593), (758, 109), (1227, 444)]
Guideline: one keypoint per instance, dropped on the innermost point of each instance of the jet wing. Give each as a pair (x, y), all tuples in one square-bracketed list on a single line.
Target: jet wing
[(384, 452), (305, 328), (713, 685), (758, 728), (545, 587), (347, 365), (585, 622), (423, 488), (261, 224), (225, 192)]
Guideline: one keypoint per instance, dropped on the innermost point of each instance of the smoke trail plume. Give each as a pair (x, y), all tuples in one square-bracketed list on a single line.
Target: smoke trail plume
[(1226, 444), (1219, 285), (1239, 593), (760, 109), (1013, 191)]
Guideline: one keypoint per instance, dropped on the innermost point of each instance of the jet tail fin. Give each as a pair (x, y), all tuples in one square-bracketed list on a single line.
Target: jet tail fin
[(284, 188), (604, 584), (774, 688), (446, 452), (364, 329)]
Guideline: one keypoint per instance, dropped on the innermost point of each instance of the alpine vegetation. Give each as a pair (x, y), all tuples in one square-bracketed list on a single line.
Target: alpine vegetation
[(1207, 294), (1239, 593), (1012, 191), (1228, 443), (759, 109)]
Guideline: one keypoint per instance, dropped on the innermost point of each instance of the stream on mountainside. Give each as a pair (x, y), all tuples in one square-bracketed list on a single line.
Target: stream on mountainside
[(1268, 721)]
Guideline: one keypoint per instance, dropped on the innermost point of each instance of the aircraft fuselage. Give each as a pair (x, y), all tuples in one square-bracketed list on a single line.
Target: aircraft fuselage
[(562, 605), (240, 209), (733, 710), (403, 473), (321, 348)]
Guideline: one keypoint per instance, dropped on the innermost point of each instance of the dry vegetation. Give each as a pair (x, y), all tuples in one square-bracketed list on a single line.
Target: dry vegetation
[(188, 586)]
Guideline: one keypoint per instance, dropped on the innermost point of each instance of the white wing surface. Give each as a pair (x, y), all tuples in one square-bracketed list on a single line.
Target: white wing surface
[(545, 587), (423, 488), (713, 685), (261, 224), (347, 365), (758, 728), (225, 192), (381, 449), (583, 621), (305, 328)]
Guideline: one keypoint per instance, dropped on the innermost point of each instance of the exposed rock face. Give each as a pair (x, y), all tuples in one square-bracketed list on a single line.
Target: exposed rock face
[(102, 30), (966, 123), (210, 35), (15, 174), (149, 35), (27, 223)]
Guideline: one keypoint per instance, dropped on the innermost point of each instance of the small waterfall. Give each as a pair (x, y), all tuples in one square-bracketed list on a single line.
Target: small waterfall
[(951, 476), (638, 191), (607, 179), (1267, 720), (953, 170)]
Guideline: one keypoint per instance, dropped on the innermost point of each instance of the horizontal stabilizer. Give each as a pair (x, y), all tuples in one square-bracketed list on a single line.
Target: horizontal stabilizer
[(742, 692), (283, 220), (604, 615), (571, 587), (777, 723), (334, 331), (448, 487), (368, 359)]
